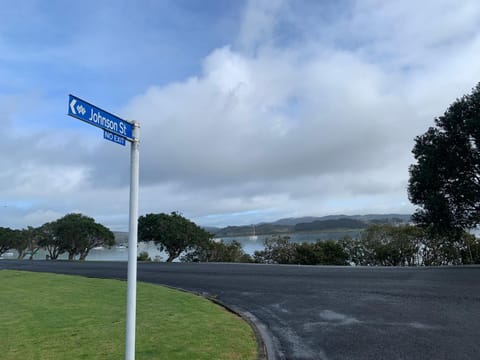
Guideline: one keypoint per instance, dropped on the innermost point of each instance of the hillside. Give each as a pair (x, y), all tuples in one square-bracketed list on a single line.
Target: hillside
[(369, 218), (247, 230), (323, 225), (311, 223), (121, 237)]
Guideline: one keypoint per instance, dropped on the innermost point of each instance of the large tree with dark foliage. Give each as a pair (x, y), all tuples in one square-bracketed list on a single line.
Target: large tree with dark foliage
[(445, 181), (48, 240), (79, 234), (75, 234), (173, 233)]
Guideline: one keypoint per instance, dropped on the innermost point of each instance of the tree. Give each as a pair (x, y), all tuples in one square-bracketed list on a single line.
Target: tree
[(48, 239), (278, 250), (307, 254), (390, 245), (409, 241), (386, 245), (6, 239), (75, 234), (33, 235), (78, 234), (449, 249), (332, 253), (445, 181), (26, 242), (471, 252), (97, 235), (21, 241), (321, 252), (355, 250), (173, 233)]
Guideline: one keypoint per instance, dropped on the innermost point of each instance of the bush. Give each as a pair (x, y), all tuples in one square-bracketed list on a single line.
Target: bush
[(218, 252), (143, 256), (278, 250)]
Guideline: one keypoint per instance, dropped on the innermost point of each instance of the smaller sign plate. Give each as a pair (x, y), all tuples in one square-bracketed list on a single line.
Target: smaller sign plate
[(114, 138)]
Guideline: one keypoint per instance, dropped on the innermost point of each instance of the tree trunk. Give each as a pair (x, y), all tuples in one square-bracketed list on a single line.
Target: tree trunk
[(33, 252), (84, 254), (71, 256), (173, 255), (52, 253)]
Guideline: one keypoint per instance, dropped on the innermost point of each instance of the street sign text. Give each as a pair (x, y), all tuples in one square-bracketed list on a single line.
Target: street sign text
[(95, 116)]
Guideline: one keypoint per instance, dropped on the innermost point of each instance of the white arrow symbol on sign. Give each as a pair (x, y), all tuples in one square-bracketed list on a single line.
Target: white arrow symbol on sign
[(72, 106)]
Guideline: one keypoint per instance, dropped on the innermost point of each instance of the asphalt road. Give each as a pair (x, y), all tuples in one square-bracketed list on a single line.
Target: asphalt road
[(309, 312)]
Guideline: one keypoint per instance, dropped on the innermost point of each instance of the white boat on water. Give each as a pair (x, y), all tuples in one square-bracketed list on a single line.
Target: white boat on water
[(253, 237), (120, 247)]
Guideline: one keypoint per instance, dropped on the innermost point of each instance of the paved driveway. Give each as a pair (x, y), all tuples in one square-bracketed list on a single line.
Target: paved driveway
[(309, 312)]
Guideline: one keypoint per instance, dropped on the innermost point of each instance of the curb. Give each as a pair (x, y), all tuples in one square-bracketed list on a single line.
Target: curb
[(260, 335), (264, 344)]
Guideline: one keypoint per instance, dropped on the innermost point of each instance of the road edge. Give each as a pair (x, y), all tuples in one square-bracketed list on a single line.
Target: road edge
[(264, 343)]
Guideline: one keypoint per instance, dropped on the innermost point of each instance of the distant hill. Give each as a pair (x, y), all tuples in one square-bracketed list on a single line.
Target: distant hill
[(384, 218), (294, 221), (121, 237), (210, 229), (322, 225), (370, 218), (311, 223), (247, 230)]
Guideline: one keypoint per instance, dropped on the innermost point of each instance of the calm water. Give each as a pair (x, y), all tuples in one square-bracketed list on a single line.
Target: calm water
[(249, 246)]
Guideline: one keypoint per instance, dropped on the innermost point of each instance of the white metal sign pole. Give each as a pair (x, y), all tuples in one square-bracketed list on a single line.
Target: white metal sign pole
[(132, 245)]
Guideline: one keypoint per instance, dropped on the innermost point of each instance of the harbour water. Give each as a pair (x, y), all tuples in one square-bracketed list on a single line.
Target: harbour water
[(250, 245)]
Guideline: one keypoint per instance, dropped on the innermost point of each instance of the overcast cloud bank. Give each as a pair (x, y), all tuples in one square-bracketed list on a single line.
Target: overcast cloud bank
[(309, 109)]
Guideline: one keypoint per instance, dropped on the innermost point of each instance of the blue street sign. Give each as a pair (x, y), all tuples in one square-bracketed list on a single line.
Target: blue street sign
[(92, 115), (114, 138)]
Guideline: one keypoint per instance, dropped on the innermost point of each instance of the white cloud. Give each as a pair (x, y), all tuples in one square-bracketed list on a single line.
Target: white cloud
[(270, 119), (259, 21), (312, 110)]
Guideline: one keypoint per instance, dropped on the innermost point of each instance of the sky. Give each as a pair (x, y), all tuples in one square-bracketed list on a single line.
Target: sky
[(250, 111)]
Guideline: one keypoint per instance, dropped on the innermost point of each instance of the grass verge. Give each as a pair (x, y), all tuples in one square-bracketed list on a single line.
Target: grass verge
[(48, 316)]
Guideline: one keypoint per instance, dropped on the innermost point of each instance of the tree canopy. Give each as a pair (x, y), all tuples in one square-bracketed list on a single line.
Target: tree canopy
[(445, 181), (75, 234), (7, 239), (172, 232), (280, 250), (78, 234)]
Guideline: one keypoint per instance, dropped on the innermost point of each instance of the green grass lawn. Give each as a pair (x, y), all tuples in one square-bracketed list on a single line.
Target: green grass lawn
[(46, 316)]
